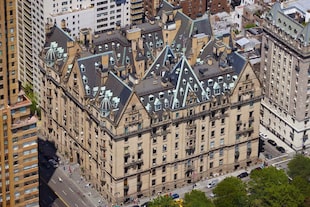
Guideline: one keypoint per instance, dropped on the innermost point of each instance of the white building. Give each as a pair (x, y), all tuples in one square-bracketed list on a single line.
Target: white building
[(31, 39), (98, 15)]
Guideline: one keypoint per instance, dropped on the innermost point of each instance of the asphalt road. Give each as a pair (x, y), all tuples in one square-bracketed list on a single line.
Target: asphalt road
[(67, 191), (58, 189)]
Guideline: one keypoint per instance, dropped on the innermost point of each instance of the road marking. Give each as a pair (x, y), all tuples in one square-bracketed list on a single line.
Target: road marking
[(51, 198), (53, 181), (71, 189), (64, 192)]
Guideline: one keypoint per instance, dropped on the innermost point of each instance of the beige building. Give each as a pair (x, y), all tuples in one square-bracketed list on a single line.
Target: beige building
[(285, 73), (152, 107), (19, 178)]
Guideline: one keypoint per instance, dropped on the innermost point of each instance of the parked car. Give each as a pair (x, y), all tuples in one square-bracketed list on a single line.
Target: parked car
[(175, 195), (280, 149), (212, 183), (53, 163), (243, 175), (273, 143), (263, 136)]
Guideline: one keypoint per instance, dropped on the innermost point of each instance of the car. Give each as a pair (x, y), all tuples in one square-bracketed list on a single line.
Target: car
[(263, 136), (272, 142), (56, 158), (280, 149), (53, 163), (175, 195), (243, 175), (212, 183)]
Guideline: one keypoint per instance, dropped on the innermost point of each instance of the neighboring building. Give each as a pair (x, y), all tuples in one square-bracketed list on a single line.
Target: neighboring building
[(150, 108), (252, 15), (31, 38), (19, 178), (285, 73), (191, 8), (216, 6), (99, 15)]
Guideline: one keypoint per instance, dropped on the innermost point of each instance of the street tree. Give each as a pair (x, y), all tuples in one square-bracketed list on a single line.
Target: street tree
[(163, 201), (299, 166), (197, 198), (270, 187), (231, 192), (299, 171)]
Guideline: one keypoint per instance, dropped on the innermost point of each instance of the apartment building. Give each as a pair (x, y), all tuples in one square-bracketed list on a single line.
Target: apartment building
[(217, 6), (97, 15), (18, 142), (154, 106), (31, 38), (285, 73)]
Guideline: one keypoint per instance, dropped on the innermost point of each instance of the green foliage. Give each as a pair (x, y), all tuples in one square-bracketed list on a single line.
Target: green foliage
[(299, 171), (197, 198), (250, 25), (270, 187), (299, 166), (34, 103), (231, 192), (163, 201)]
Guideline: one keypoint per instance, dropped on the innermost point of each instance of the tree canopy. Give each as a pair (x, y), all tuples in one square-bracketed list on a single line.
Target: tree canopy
[(230, 192), (163, 201), (270, 187), (197, 198), (299, 171)]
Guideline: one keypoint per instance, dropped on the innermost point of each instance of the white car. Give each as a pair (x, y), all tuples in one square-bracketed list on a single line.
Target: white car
[(263, 136), (212, 183)]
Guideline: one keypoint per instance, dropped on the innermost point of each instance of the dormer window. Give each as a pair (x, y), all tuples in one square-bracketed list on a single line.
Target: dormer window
[(151, 98), (195, 87), (161, 95), (166, 103), (82, 68), (190, 79), (181, 91), (184, 81), (228, 76), (220, 79), (210, 82), (157, 105)]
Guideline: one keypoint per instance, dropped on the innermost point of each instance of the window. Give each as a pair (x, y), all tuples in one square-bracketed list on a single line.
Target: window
[(163, 179), (211, 155), (164, 148), (212, 144), (153, 182), (222, 141), (221, 152)]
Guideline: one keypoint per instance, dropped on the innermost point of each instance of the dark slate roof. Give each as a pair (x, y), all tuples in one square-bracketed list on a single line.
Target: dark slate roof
[(161, 63), (237, 62), (58, 35), (90, 69), (120, 90)]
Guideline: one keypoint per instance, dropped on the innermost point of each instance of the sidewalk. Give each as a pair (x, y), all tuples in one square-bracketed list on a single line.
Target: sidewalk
[(73, 171), (200, 185)]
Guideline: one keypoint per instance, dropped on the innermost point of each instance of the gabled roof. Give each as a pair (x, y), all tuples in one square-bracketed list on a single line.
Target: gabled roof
[(113, 96), (166, 56)]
